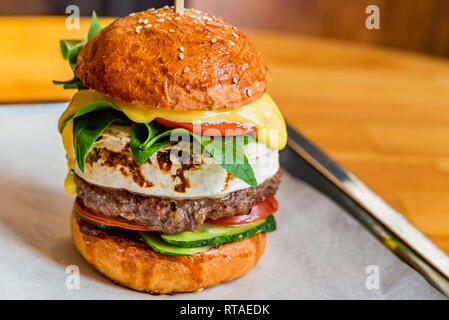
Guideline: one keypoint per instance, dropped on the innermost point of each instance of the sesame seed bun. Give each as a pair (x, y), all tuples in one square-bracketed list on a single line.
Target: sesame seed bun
[(185, 62), (135, 265)]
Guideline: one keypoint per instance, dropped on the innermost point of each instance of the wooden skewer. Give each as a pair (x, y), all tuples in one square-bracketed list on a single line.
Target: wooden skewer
[(179, 6)]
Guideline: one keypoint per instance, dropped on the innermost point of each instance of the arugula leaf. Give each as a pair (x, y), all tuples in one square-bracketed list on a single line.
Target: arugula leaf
[(70, 50), (88, 128), (142, 134), (88, 107), (228, 152), (94, 25), (73, 83)]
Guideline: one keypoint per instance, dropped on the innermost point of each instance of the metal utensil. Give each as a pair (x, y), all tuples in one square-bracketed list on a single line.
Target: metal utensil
[(304, 160)]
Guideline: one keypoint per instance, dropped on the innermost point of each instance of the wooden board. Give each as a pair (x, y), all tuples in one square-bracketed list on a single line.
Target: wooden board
[(382, 114)]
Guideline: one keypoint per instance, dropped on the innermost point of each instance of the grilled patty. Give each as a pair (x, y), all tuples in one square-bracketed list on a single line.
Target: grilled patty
[(170, 215)]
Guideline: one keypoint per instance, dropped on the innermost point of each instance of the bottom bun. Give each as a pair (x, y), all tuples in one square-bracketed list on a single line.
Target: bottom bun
[(137, 266)]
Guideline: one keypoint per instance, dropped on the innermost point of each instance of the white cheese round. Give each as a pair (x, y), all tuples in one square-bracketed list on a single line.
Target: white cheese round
[(110, 164)]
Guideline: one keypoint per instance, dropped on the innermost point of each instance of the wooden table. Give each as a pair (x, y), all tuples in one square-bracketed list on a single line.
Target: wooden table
[(382, 114)]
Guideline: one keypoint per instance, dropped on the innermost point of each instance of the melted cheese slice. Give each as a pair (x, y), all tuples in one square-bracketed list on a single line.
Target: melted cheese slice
[(262, 114)]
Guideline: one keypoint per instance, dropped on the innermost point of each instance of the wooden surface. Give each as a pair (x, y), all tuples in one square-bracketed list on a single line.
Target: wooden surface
[(421, 26), (384, 115)]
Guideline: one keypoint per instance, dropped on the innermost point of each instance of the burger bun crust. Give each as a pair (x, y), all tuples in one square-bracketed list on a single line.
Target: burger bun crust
[(165, 60), (135, 265)]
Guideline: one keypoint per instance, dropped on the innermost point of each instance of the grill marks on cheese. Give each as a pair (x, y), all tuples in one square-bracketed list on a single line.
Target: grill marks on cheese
[(262, 114), (120, 160), (123, 161)]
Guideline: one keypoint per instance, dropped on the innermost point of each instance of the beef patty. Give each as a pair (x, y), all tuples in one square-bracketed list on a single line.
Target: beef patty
[(170, 215)]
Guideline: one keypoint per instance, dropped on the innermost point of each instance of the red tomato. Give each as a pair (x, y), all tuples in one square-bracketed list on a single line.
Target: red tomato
[(106, 221), (208, 129), (261, 209)]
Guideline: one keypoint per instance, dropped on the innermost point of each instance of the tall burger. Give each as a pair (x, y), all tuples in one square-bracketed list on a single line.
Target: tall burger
[(172, 145)]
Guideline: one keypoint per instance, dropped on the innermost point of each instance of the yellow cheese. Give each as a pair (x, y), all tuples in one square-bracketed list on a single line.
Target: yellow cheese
[(262, 114)]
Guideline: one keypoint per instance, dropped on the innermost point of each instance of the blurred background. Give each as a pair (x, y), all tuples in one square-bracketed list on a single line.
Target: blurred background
[(421, 25), (377, 101)]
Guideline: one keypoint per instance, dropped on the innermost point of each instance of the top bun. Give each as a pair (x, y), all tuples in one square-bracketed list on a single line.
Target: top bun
[(160, 58)]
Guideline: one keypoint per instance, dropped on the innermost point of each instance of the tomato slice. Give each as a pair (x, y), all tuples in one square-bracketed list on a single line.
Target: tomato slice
[(261, 209), (86, 213), (209, 129)]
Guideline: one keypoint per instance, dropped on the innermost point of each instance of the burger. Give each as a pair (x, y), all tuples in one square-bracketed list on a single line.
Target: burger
[(172, 145)]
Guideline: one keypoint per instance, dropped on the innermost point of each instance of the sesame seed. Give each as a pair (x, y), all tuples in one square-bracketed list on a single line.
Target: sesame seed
[(181, 49), (166, 7), (235, 80), (192, 16), (178, 18), (186, 69), (234, 27), (248, 92), (197, 11), (148, 26), (151, 9), (169, 18), (145, 21), (132, 14), (181, 56), (140, 20), (160, 20), (235, 35), (213, 40), (138, 29), (171, 30), (231, 43)]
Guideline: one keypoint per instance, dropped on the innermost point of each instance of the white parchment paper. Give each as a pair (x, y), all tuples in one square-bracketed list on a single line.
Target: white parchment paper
[(318, 251)]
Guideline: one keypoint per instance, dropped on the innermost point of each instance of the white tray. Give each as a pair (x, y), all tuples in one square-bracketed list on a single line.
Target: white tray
[(318, 251)]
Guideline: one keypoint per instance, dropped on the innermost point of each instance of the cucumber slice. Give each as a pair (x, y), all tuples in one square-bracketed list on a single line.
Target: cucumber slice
[(157, 244), (211, 235)]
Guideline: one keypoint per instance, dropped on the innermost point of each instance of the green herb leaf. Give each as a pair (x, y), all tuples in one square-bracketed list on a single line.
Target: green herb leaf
[(142, 134), (88, 128), (73, 83), (88, 107), (94, 26), (70, 50), (227, 151)]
